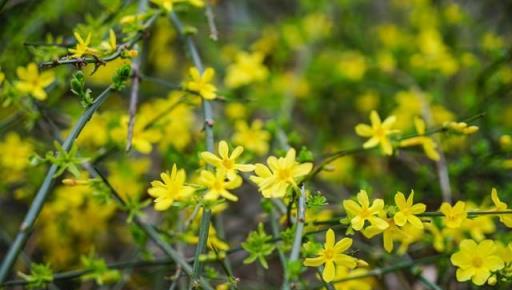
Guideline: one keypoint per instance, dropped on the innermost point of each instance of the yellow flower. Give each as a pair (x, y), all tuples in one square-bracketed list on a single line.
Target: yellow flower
[(429, 146), (218, 186), (2, 77), (378, 132), (352, 65), (196, 3), (165, 4), (353, 284), (454, 216), (506, 219), (476, 261), (201, 84), (273, 181), (227, 162), (143, 137), (82, 47), (389, 234), (111, 44), (253, 138), (408, 210), (332, 256), (361, 211), (248, 68), (172, 188), (33, 83), (15, 152)]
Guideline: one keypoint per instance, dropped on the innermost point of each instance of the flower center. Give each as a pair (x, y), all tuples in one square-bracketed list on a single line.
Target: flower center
[(329, 254), (217, 186), (365, 213), (380, 132), (228, 164), (284, 174), (477, 262)]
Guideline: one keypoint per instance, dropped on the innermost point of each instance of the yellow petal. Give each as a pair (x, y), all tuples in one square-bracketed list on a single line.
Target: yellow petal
[(329, 239), (329, 271)]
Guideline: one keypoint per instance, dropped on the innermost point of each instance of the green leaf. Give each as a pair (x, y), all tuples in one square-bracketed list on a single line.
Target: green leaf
[(40, 275)]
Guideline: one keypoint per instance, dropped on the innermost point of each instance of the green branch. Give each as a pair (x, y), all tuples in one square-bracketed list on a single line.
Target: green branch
[(42, 193)]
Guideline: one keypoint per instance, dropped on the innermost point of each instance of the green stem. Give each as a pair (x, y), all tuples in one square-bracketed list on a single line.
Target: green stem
[(428, 284), (42, 193), (276, 237), (299, 230)]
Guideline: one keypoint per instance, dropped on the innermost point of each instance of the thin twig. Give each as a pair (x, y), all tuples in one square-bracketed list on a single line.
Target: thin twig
[(134, 94), (299, 228), (210, 16)]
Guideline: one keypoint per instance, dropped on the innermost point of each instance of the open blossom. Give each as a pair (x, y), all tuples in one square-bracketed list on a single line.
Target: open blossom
[(429, 145), (218, 185), (82, 46), (407, 211), (454, 216), (361, 211), (476, 261), (275, 180), (389, 235), (172, 188), (332, 255), (226, 161), (202, 83), (378, 132), (32, 82)]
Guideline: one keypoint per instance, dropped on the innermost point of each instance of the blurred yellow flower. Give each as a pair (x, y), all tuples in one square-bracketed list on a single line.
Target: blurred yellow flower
[(274, 181), (332, 255), (476, 261), (253, 138), (167, 5), (378, 132), (352, 65), (428, 144), (201, 84), (172, 188), (506, 219), (454, 216), (248, 68), (32, 82), (15, 152), (82, 47)]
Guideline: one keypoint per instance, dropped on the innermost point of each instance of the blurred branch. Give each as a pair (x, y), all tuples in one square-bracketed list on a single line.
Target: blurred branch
[(210, 16)]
